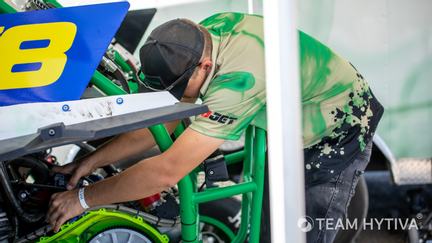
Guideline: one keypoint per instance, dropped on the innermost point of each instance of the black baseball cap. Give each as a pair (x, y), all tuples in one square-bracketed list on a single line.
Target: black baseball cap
[(170, 55)]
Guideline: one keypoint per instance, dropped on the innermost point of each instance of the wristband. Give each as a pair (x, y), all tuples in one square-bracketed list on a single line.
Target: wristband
[(82, 198)]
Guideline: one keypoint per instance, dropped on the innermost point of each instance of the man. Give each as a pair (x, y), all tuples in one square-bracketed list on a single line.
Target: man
[(221, 61)]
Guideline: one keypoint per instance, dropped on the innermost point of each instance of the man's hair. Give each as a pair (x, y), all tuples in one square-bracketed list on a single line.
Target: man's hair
[(207, 52)]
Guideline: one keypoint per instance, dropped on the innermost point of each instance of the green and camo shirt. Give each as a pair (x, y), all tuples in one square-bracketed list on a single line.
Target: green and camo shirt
[(340, 113)]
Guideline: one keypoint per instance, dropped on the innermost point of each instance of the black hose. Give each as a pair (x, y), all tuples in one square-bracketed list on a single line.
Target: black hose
[(40, 170), (27, 217), (89, 148), (121, 78), (15, 223)]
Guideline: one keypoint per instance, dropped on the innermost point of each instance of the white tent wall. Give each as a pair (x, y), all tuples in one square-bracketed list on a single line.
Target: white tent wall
[(194, 10), (390, 42)]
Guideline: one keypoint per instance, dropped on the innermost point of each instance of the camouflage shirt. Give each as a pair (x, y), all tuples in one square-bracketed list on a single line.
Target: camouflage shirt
[(340, 113)]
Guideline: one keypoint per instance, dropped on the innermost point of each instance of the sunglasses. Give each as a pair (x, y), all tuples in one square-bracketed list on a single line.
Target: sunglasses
[(156, 83)]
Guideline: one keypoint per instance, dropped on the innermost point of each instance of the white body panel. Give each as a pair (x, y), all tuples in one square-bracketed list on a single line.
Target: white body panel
[(25, 119)]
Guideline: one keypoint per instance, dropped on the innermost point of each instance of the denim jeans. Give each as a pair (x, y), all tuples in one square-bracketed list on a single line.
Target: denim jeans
[(328, 202)]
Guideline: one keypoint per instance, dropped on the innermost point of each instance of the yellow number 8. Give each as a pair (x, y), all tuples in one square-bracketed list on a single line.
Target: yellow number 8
[(52, 58)]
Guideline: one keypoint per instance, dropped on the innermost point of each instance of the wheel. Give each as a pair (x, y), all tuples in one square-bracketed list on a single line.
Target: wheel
[(120, 235), (220, 220)]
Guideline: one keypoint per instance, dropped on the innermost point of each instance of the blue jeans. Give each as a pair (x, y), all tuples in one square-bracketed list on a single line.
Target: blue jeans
[(330, 200)]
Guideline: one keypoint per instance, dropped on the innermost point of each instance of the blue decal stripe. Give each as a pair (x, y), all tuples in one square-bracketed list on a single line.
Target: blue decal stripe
[(33, 44), (26, 67)]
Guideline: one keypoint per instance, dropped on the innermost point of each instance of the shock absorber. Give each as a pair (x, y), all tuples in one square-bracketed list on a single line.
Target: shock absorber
[(162, 205), (5, 226), (151, 202)]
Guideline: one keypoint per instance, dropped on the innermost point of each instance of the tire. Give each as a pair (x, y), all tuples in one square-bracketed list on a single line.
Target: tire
[(220, 219)]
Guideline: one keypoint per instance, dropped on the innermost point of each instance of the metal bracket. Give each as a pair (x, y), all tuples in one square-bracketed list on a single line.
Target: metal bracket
[(215, 170), (58, 130)]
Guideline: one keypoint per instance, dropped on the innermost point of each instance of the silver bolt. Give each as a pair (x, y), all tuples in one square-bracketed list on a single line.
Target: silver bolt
[(211, 172), (23, 195), (51, 132)]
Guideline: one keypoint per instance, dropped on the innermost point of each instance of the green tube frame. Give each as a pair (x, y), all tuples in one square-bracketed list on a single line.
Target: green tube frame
[(251, 188), (5, 8)]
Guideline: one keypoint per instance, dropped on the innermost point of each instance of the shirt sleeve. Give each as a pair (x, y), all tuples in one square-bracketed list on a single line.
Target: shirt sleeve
[(234, 99)]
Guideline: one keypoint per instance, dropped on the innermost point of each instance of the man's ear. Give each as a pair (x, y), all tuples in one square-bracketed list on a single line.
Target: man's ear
[(206, 64)]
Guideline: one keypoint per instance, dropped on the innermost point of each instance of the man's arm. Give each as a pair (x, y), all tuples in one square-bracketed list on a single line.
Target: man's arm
[(126, 145), (121, 147), (129, 144), (146, 178)]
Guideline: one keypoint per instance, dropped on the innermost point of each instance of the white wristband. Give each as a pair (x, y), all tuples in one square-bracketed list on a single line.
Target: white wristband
[(82, 198)]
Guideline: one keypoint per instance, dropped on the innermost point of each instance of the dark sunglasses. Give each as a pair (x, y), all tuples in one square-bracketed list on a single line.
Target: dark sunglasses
[(156, 83)]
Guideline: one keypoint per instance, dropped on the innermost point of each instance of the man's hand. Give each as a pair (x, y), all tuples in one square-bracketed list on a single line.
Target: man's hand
[(77, 169), (63, 206)]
